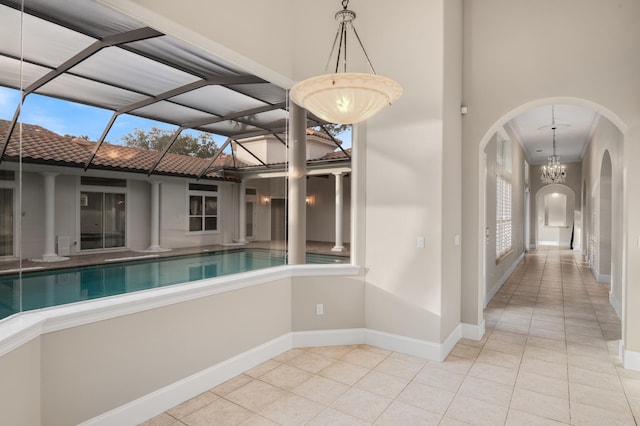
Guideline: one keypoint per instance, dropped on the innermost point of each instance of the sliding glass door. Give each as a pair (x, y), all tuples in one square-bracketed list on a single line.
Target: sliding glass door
[(102, 220)]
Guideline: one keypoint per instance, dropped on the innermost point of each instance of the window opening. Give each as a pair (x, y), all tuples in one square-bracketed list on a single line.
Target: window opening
[(203, 207), (503, 197)]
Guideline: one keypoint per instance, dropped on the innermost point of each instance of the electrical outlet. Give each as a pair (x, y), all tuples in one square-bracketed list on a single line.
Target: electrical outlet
[(319, 309), (420, 241)]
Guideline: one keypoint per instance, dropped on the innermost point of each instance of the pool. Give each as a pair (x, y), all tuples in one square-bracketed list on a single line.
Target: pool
[(61, 286)]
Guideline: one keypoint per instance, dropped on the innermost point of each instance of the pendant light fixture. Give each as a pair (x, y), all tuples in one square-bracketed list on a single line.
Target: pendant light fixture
[(554, 171), (345, 97)]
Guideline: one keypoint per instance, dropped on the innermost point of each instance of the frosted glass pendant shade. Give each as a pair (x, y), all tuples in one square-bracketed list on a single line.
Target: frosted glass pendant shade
[(345, 98)]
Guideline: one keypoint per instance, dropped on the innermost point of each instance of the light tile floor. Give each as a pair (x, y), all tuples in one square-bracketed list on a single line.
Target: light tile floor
[(549, 357)]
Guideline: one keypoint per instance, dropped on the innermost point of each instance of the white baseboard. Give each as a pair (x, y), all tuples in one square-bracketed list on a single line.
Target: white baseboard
[(309, 339), (555, 243), (630, 359), (498, 285), (605, 279), (617, 305), (394, 342), (153, 404), (408, 345), (473, 331), (156, 402)]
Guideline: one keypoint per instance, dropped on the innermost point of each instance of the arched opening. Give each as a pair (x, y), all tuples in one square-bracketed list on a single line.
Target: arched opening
[(609, 132)]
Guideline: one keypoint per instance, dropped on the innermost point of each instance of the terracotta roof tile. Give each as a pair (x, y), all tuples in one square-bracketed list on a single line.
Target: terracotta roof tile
[(40, 145)]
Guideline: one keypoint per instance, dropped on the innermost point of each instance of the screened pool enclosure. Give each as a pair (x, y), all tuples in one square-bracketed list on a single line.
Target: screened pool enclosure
[(68, 198)]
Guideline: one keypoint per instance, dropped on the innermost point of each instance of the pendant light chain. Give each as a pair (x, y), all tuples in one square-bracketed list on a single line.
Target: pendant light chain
[(554, 171)]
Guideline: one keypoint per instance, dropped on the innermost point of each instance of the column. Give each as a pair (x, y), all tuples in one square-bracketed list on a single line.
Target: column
[(297, 223), (50, 253), (155, 216), (338, 246), (242, 213)]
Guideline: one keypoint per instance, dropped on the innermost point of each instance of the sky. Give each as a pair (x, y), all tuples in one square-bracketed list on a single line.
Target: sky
[(69, 118)]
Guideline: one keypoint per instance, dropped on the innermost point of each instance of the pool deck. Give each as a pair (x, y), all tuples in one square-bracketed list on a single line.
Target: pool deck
[(13, 266)]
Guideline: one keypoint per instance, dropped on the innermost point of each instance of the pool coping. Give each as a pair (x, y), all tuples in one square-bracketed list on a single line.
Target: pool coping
[(18, 329)]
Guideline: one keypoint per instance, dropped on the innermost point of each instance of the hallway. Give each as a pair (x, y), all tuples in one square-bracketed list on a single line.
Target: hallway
[(549, 356)]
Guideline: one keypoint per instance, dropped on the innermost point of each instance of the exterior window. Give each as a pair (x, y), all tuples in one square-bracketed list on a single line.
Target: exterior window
[(503, 216), (203, 207)]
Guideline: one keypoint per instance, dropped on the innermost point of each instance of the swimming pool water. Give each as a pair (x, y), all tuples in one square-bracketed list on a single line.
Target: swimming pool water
[(61, 286)]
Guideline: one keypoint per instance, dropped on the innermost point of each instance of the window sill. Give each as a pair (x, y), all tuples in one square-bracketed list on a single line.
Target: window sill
[(195, 233), (504, 256)]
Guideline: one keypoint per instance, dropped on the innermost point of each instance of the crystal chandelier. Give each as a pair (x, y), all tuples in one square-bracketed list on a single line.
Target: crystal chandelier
[(345, 97), (554, 171)]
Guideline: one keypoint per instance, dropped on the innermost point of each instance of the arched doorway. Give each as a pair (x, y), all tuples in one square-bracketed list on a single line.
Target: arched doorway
[(612, 134)]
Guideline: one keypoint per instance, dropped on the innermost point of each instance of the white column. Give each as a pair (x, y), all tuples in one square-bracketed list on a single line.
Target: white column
[(338, 246), (155, 216), (242, 213), (297, 226), (50, 254)]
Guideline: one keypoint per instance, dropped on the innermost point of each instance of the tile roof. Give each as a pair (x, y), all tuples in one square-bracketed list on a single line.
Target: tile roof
[(40, 145)]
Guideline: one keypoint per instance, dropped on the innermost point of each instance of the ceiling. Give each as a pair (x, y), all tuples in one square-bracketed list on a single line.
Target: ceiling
[(574, 124), (85, 52)]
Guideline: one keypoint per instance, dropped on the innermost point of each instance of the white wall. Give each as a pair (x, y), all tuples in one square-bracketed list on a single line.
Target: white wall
[(138, 214), (66, 210), (32, 225)]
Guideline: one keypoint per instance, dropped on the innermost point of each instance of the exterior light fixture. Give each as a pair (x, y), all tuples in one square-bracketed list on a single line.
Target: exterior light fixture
[(554, 171), (345, 97)]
